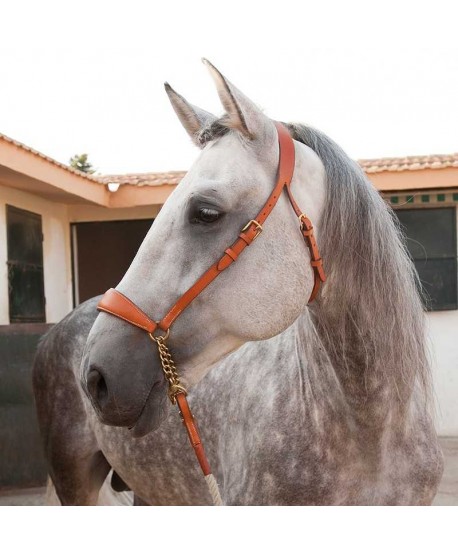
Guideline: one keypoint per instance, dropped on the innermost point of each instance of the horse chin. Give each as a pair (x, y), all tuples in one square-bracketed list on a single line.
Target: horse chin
[(154, 412)]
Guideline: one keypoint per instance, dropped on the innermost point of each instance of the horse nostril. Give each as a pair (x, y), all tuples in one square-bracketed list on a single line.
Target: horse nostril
[(97, 387)]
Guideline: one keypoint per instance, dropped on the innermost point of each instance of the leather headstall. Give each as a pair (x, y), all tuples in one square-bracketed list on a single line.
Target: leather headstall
[(115, 303)]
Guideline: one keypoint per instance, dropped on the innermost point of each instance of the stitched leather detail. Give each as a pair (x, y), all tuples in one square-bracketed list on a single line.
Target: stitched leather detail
[(225, 261), (103, 309), (231, 253), (115, 303), (315, 259), (245, 238), (321, 274), (316, 263)]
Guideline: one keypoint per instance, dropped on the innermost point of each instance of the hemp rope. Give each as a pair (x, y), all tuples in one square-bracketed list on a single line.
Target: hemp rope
[(214, 490)]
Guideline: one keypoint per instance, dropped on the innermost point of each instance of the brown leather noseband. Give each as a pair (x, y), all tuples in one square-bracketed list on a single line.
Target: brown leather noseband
[(115, 303)]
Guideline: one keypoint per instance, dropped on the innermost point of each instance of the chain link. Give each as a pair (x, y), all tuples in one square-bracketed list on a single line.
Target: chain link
[(169, 368)]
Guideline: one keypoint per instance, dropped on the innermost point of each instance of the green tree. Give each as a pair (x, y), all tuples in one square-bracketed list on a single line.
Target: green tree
[(80, 162)]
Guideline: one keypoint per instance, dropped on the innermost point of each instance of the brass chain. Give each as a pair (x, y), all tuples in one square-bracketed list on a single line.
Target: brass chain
[(169, 368)]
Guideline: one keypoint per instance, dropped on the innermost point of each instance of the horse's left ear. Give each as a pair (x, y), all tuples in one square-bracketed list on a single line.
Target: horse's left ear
[(242, 114)]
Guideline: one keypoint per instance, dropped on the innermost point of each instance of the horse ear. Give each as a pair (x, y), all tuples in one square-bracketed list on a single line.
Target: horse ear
[(192, 118), (242, 113)]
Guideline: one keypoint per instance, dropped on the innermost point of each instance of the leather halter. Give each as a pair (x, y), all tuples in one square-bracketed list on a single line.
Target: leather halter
[(115, 303)]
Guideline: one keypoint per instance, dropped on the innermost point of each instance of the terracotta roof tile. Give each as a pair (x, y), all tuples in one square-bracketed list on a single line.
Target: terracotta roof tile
[(378, 165), (410, 163), (407, 163), (145, 179)]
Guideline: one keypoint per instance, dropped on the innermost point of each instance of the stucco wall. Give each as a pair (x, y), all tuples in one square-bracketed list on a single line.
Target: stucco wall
[(56, 252), (56, 219), (442, 326), (443, 335), (80, 213)]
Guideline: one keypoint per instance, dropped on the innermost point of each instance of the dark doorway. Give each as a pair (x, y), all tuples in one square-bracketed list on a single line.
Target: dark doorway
[(25, 266), (102, 253)]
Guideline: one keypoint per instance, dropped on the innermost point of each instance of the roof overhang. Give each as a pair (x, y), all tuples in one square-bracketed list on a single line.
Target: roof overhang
[(26, 170), (129, 196), (421, 179)]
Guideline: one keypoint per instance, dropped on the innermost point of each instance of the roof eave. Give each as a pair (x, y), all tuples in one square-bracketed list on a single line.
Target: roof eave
[(421, 179), (26, 170)]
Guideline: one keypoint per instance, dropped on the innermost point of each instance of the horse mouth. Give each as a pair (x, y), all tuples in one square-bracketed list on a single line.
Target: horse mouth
[(153, 412)]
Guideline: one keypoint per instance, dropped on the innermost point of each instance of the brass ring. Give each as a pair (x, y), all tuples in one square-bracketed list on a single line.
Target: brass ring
[(161, 338)]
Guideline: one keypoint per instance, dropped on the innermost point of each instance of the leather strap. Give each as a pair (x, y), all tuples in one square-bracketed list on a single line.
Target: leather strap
[(194, 438), (115, 303), (315, 259), (247, 235)]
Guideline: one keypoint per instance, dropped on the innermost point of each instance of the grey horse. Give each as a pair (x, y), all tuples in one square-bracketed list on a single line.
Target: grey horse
[(321, 403)]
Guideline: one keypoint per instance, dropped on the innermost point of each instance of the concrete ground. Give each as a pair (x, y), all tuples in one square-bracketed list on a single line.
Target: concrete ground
[(446, 496)]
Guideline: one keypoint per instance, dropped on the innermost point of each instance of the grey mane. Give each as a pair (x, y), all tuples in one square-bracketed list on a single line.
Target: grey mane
[(369, 316)]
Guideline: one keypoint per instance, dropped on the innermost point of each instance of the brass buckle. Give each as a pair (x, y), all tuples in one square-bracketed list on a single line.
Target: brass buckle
[(300, 218), (258, 228), (301, 223)]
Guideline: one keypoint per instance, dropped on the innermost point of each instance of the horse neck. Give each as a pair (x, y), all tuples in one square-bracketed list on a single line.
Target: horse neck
[(289, 386), (294, 370)]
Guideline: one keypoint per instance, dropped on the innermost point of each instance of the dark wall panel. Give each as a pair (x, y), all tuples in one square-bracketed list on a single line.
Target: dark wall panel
[(105, 251), (25, 266), (22, 462)]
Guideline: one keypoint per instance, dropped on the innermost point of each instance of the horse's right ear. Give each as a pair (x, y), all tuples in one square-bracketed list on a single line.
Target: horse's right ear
[(192, 118)]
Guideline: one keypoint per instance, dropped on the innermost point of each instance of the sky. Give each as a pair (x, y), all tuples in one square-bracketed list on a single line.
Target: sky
[(380, 78)]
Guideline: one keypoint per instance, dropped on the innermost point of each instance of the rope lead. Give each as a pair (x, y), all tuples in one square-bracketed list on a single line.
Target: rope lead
[(214, 490)]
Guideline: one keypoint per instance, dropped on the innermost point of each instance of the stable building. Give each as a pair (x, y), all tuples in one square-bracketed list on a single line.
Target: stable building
[(66, 236)]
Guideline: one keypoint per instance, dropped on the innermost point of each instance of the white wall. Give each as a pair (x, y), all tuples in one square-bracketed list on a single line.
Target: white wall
[(443, 334), (56, 252), (56, 219), (442, 326), (79, 213)]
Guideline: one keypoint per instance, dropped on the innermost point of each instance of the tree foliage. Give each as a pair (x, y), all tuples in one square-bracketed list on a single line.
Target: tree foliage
[(80, 162)]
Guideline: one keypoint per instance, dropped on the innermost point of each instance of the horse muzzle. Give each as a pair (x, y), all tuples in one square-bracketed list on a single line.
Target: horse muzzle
[(125, 386)]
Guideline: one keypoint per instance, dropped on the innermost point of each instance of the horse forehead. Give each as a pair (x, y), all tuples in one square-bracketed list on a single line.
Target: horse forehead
[(231, 158)]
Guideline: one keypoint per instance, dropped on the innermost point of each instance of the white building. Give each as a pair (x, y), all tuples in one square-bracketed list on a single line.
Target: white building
[(57, 225)]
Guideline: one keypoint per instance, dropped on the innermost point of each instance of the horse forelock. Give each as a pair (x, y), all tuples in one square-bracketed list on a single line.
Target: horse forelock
[(370, 315), (215, 129)]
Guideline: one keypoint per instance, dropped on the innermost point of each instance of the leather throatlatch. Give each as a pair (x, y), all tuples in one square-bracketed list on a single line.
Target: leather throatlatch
[(115, 303)]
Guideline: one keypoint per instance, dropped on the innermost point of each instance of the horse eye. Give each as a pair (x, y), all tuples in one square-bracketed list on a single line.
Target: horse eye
[(207, 215)]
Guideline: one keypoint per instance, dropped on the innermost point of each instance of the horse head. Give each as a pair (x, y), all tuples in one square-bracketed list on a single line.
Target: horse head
[(254, 299)]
